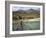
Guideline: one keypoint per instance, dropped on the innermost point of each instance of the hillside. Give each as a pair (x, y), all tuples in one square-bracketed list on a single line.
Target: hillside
[(28, 14)]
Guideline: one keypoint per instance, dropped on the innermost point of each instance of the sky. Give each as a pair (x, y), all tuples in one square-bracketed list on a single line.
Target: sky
[(24, 8)]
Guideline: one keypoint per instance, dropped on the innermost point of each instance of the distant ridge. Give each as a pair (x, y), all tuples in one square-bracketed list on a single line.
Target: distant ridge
[(27, 11)]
